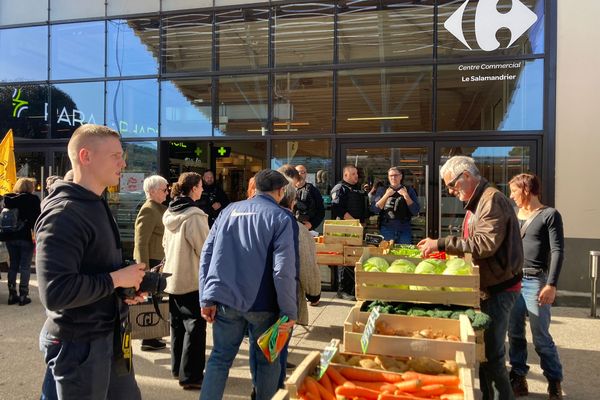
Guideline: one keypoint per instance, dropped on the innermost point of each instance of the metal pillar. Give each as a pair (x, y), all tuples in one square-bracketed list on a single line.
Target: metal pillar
[(594, 257)]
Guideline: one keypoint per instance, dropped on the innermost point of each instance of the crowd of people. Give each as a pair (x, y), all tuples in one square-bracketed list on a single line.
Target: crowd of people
[(188, 230)]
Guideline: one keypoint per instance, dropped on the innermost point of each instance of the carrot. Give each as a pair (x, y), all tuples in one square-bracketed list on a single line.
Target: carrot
[(399, 396), (326, 382), (453, 390), (380, 386), (323, 393), (350, 390), (372, 376), (452, 396), (412, 385), (311, 387), (337, 379), (431, 390), (310, 396), (448, 380)]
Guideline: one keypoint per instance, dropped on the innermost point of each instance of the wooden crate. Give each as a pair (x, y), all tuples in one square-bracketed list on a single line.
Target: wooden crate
[(414, 347), (348, 232), (305, 368), (384, 285), (330, 254), (282, 394)]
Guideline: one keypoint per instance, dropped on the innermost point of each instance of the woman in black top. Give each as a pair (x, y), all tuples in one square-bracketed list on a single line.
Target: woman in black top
[(20, 242), (543, 248)]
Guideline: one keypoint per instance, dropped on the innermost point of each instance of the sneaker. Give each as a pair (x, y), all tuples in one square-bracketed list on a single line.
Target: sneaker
[(191, 386), (153, 344), (346, 296), (24, 300), (554, 390), (519, 384)]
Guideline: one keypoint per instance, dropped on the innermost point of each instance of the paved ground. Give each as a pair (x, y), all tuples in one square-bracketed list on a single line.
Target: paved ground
[(21, 364)]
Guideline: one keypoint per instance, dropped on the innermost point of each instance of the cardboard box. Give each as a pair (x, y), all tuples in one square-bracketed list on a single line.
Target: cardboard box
[(396, 346), (348, 232), (330, 254), (145, 322), (384, 285)]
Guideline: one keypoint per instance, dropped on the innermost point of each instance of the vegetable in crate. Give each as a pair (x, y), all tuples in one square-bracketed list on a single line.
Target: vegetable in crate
[(431, 267), (458, 266), (401, 266), (376, 264)]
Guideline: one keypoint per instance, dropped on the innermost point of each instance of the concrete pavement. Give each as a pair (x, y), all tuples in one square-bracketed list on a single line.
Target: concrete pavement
[(22, 368)]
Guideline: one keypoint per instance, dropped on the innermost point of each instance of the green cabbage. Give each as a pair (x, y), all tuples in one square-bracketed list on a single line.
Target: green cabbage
[(401, 266), (458, 266), (429, 266), (376, 264)]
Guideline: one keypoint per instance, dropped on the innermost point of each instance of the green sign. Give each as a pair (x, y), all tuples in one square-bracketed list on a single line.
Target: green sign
[(369, 329)]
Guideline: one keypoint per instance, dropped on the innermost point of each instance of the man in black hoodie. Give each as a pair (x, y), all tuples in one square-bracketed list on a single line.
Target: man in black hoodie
[(79, 266)]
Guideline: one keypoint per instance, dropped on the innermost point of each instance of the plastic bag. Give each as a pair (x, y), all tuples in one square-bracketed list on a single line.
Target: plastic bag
[(272, 341)]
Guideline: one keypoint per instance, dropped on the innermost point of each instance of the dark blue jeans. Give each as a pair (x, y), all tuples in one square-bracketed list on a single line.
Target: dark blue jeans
[(229, 329), (20, 253), (400, 233), (84, 370), (539, 321), (493, 375)]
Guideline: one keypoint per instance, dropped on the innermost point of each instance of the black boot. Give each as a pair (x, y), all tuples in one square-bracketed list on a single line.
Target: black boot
[(24, 300), (554, 390), (13, 298), (519, 384)]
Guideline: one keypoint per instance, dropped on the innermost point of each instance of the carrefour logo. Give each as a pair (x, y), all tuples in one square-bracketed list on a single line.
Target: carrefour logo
[(488, 21)]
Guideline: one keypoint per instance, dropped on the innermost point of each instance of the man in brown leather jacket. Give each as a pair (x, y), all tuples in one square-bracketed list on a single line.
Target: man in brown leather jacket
[(491, 234)]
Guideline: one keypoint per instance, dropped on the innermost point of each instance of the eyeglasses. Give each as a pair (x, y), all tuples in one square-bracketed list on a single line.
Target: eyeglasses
[(450, 185)]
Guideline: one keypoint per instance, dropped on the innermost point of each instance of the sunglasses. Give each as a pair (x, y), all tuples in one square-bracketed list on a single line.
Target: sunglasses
[(450, 185)]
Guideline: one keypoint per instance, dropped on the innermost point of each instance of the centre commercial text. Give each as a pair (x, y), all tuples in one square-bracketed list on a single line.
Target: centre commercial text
[(479, 67)]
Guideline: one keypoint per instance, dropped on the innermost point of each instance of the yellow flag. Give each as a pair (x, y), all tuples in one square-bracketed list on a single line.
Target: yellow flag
[(8, 169)]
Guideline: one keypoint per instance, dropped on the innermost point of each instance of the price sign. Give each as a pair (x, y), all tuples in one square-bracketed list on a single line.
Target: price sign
[(327, 356), (369, 329)]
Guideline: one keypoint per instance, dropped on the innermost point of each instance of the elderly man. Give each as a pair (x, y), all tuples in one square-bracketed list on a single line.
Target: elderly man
[(491, 234), (309, 208)]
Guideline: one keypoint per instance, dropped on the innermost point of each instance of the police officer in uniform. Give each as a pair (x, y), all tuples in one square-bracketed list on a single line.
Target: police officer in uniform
[(309, 209), (213, 199), (396, 205), (348, 201)]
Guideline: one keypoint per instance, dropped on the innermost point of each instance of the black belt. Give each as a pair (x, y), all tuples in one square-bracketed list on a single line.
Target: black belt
[(532, 272)]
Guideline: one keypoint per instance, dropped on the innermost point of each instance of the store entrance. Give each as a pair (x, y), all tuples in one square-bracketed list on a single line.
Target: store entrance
[(439, 213), (39, 162), (234, 163)]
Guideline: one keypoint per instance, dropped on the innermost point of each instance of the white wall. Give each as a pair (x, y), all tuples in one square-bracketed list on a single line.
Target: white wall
[(578, 118)]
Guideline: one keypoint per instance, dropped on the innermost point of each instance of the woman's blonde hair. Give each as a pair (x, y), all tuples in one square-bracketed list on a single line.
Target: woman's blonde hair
[(24, 185)]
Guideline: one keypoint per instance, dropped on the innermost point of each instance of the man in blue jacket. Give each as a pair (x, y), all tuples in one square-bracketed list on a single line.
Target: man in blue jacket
[(248, 279)]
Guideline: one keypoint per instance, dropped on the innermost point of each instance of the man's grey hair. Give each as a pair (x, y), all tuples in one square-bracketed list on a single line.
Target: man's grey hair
[(153, 182), (289, 195), (457, 164)]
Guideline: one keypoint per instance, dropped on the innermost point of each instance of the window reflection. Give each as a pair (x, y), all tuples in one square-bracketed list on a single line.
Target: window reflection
[(506, 95), (75, 104), (77, 50), (132, 107), (530, 42), (132, 46), (384, 31), (24, 54), (186, 108), (23, 109), (303, 34), (384, 100), (302, 103), (242, 38), (187, 43), (242, 105)]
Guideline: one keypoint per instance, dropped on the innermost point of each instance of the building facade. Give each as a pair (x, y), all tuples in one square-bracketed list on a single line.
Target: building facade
[(238, 86)]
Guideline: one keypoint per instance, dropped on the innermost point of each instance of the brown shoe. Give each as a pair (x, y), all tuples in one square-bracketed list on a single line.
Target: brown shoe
[(554, 390), (519, 384)]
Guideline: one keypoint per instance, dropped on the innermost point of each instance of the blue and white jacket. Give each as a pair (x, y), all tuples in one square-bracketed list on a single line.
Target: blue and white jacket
[(248, 261)]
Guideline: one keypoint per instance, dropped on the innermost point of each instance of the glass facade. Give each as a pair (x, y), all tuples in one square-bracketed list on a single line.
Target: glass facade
[(242, 86)]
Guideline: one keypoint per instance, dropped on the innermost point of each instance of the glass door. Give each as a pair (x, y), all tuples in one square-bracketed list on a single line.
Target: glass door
[(497, 163), (40, 162), (373, 161)]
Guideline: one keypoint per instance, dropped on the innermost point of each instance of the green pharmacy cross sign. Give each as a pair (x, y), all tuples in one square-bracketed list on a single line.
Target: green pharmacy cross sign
[(222, 151)]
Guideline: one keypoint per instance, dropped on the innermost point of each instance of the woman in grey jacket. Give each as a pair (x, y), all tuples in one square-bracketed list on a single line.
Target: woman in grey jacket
[(186, 229)]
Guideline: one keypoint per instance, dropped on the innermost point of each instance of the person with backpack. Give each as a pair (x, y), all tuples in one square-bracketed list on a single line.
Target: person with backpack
[(21, 210)]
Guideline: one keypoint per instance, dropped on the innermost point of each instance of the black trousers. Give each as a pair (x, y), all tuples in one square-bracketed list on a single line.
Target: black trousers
[(188, 338), (345, 280)]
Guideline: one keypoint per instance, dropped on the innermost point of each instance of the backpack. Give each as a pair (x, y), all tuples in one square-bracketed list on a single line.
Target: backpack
[(9, 221)]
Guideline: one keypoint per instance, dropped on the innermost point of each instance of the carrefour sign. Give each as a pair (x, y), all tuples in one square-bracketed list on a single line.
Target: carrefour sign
[(488, 21)]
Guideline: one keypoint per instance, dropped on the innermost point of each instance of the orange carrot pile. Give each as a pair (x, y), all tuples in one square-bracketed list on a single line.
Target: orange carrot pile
[(349, 383)]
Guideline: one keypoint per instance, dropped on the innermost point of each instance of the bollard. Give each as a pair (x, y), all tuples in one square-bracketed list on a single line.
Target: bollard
[(594, 256)]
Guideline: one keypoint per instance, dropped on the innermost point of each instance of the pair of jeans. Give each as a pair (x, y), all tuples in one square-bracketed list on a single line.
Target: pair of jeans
[(188, 338), (346, 280), (539, 320), (400, 233), (282, 359), (20, 253), (493, 376), (84, 370), (229, 328)]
